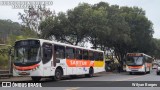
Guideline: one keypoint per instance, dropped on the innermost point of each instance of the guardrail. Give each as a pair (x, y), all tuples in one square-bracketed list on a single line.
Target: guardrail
[(5, 73)]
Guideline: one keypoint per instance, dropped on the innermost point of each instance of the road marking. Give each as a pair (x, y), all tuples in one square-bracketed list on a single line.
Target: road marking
[(74, 88), (128, 78)]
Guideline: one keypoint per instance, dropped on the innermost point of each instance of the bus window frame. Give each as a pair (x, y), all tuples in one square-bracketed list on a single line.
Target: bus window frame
[(95, 54), (89, 57), (77, 55), (87, 54), (64, 54), (69, 53), (44, 59)]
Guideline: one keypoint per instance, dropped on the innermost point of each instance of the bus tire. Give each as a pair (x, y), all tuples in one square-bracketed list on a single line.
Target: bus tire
[(144, 73), (58, 75), (73, 76), (91, 72), (36, 79), (130, 73)]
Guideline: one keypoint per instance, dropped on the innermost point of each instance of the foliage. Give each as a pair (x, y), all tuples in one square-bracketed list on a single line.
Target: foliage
[(8, 27), (4, 56), (68, 28), (3, 61), (125, 29), (9, 33), (32, 17), (156, 48)]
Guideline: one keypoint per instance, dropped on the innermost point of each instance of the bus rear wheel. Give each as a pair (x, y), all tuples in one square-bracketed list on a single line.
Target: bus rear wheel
[(58, 75), (130, 73), (91, 72), (73, 76), (36, 79)]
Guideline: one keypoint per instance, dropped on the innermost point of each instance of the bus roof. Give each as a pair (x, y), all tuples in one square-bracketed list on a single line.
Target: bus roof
[(58, 43)]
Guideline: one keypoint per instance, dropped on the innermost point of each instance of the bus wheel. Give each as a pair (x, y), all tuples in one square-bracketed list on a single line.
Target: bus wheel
[(36, 79), (91, 72), (58, 75), (73, 76), (130, 73)]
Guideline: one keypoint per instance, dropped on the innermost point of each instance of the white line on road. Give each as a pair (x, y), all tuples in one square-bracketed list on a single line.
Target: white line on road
[(73, 88)]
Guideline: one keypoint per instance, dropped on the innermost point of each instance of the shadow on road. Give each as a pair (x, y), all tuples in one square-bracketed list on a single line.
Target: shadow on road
[(44, 80)]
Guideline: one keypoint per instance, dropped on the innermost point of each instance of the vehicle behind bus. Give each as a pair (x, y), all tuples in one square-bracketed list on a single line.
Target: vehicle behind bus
[(138, 63), (42, 58)]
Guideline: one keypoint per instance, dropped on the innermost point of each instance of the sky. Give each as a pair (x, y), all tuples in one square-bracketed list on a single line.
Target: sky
[(151, 8)]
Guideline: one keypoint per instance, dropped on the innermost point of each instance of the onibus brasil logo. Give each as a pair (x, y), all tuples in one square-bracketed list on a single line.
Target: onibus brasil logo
[(13, 84)]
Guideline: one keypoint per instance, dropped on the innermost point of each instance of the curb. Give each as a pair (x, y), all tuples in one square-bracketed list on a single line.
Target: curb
[(11, 79)]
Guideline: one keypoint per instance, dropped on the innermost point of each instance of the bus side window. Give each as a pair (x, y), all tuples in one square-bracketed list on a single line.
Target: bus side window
[(96, 56), (85, 54), (70, 53), (79, 54), (59, 51), (91, 55), (47, 52)]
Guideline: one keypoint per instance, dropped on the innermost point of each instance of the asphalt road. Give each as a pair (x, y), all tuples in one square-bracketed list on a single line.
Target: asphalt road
[(119, 81)]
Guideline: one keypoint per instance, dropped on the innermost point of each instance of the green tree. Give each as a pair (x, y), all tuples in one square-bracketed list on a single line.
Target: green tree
[(98, 25), (70, 27), (141, 29), (32, 17), (126, 29), (7, 27), (120, 32), (155, 48)]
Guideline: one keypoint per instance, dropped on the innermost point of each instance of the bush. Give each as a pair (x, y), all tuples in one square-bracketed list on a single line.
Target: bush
[(3, 61)]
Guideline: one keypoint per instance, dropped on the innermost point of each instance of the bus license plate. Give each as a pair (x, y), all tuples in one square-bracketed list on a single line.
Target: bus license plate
[(134, 70), (24, 73)]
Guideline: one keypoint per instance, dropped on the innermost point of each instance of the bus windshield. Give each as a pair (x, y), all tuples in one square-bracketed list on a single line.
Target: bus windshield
[(27, 51), (134, 60)]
